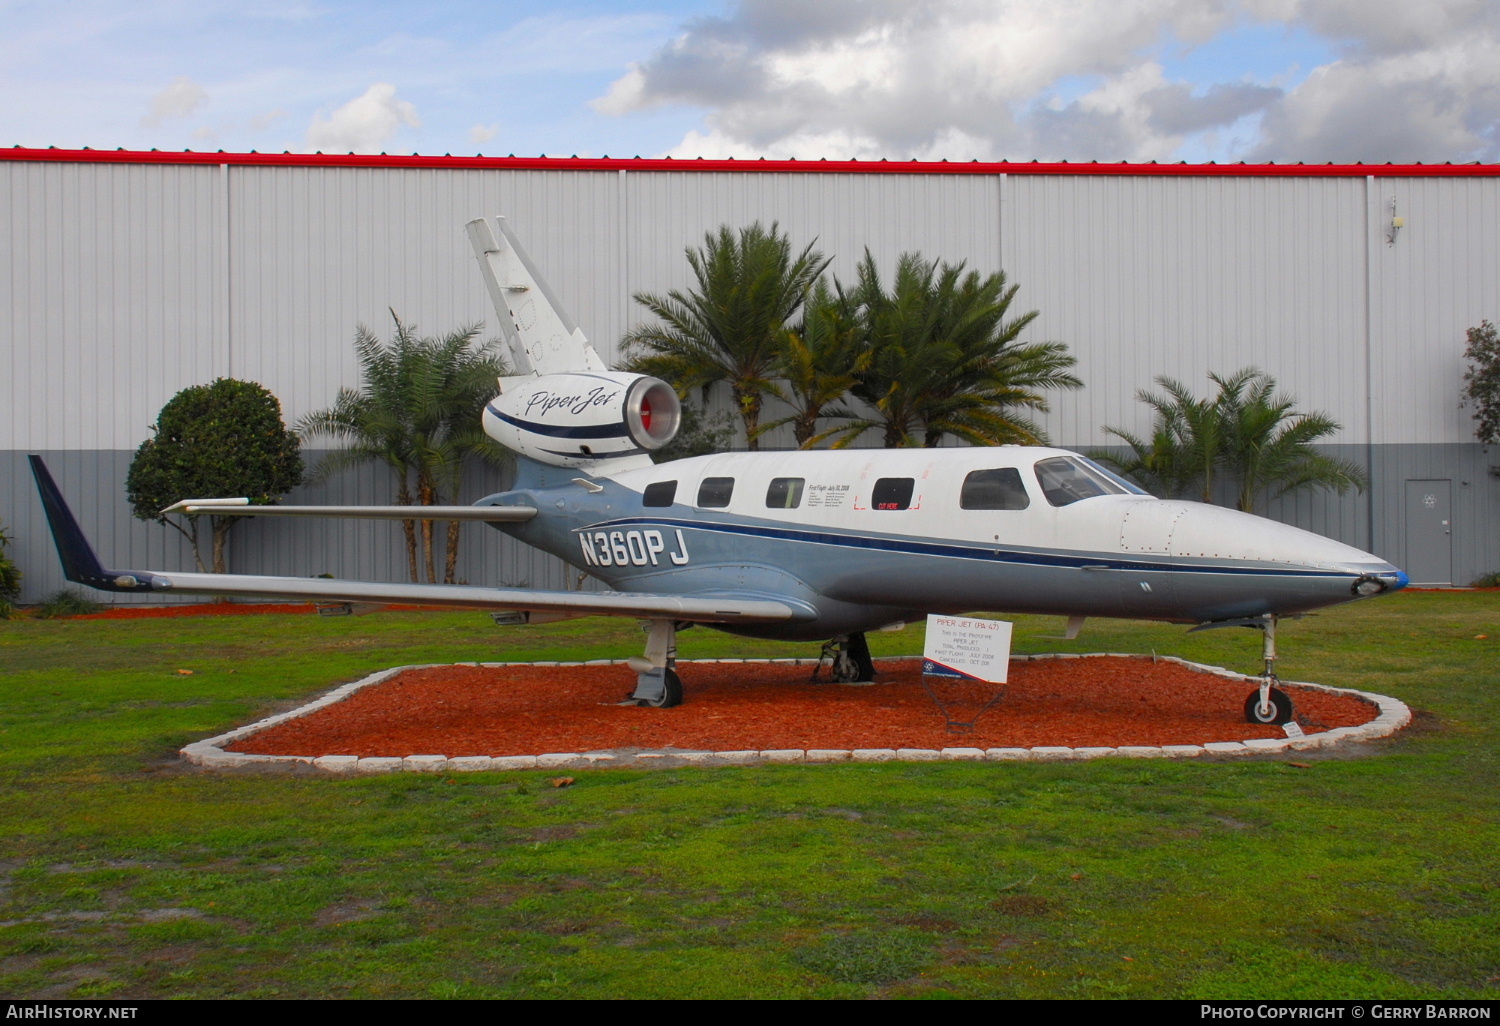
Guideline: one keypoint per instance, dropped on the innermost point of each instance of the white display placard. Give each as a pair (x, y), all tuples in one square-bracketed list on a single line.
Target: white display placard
[(969, 649)]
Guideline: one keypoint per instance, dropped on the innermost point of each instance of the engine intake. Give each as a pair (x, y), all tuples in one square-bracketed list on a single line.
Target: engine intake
[(608, 419)]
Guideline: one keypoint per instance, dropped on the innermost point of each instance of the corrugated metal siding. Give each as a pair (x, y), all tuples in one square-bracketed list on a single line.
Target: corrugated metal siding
[(1439, 278), (108, 299), (1144, 277)]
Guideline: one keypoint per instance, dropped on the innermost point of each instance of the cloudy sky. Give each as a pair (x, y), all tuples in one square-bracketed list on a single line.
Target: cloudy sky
[(1257, 80)]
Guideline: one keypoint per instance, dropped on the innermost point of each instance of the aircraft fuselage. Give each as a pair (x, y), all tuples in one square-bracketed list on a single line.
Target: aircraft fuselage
[(863, 538)]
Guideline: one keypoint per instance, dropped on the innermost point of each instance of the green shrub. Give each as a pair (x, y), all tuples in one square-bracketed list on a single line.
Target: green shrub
[(1487, 581), (10, 577), (66, 603)]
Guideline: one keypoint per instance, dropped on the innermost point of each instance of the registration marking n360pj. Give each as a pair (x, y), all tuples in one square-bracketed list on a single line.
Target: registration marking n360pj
[(630, 548)]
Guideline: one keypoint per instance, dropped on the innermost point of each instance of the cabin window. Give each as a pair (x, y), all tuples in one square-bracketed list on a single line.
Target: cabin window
[(784, 493), (715, 492), (1065, 480), (892, 493), (994, 489), (660, 493)]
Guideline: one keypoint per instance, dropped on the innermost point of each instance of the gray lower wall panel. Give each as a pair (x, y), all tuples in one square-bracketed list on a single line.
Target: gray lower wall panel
[(94, 483)]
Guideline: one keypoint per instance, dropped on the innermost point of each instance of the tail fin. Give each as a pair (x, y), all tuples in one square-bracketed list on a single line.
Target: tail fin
[(80, 564), (541, 336)]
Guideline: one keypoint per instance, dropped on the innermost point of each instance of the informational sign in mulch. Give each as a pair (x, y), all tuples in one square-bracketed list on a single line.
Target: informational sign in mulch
[(473, 710)]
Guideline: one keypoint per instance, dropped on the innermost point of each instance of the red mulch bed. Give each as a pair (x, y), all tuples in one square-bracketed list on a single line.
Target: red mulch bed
[(522, 710)]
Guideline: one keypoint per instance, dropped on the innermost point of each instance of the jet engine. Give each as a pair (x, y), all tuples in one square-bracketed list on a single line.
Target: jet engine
[(584, 419)]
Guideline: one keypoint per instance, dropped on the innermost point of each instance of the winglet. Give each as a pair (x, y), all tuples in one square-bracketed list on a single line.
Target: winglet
[(80, 563)]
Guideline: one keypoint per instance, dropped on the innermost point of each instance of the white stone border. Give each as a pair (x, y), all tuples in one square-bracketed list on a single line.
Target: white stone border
[(213, 753)]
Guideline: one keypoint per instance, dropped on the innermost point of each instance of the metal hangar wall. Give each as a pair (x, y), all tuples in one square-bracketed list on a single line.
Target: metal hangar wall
[(125, 277)]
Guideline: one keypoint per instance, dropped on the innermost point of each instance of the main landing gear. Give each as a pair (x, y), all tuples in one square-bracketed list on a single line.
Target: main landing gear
[(656, 683), (848, 660)]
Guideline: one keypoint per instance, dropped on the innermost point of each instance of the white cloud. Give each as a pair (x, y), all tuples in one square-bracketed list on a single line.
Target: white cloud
[(363, 124), (968, 79), (178, 100), (481, 134)]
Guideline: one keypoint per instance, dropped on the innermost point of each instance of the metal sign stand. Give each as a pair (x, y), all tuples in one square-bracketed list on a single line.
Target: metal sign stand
[(951, 707)]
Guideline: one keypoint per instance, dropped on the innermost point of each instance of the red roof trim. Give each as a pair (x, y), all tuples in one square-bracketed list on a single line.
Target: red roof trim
[(88, 156)]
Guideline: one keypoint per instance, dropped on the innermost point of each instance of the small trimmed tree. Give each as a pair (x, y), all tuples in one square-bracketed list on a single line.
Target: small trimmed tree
[(209, 441), (1482, 383)]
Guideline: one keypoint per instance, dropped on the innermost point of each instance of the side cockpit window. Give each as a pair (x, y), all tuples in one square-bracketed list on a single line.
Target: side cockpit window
[(659, 493), (785, 493), (994, 489), (1066, 480), (715, 492)]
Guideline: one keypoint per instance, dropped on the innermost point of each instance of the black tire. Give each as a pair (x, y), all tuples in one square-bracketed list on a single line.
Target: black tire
[(1281, 708), (671, 695)]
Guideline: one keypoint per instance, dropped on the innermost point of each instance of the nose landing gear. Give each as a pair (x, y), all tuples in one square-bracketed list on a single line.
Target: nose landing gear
[(1268, 704)]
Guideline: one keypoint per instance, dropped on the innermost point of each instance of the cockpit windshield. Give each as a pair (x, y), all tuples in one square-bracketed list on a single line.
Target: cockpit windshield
[(1068, 479)]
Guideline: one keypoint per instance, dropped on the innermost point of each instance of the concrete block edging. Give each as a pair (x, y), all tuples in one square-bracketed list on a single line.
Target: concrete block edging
[(216, 752)]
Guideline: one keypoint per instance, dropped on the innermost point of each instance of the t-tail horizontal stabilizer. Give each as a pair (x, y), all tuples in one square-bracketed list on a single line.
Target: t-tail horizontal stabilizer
[(80, 564)]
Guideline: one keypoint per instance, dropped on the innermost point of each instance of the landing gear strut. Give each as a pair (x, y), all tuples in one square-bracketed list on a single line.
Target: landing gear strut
[(1269, 704), (656, 683), (848, 660)]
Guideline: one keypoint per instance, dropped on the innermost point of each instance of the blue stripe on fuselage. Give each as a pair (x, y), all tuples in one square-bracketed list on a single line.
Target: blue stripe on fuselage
[(986, 553)]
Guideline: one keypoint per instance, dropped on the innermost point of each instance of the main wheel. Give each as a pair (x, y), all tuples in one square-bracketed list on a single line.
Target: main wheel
[(1281, 708), (671, 694)]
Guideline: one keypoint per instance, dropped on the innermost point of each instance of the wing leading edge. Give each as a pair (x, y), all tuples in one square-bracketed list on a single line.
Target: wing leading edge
[(82, 566), (242, 508)]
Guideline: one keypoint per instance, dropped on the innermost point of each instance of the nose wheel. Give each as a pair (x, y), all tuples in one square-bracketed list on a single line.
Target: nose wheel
[(1275, 707)]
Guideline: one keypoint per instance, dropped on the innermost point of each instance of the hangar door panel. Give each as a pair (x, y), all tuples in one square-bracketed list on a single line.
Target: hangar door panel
[(1429, 532)]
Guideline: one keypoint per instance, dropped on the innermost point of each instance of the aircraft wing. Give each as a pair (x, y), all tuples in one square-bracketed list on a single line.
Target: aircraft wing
[(82, 566), (242, 508)]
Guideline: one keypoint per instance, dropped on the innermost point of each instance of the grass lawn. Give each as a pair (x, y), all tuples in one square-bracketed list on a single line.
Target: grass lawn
[(123, 874)]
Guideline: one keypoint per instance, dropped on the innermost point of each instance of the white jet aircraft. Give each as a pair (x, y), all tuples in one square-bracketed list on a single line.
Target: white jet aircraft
[(800, 545)]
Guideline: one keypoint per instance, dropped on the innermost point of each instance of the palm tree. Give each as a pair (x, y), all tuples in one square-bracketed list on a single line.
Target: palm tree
[(819, 361), (1246, 433), (728, 328), (1186, 447), (417, 411), (944, 359), (1268, 445)]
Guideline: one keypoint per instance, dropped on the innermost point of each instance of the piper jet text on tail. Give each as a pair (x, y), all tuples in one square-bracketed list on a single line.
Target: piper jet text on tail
[(805, 545)]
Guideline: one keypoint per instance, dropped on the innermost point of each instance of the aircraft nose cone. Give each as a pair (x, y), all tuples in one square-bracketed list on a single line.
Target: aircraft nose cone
[(1214, 531)]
